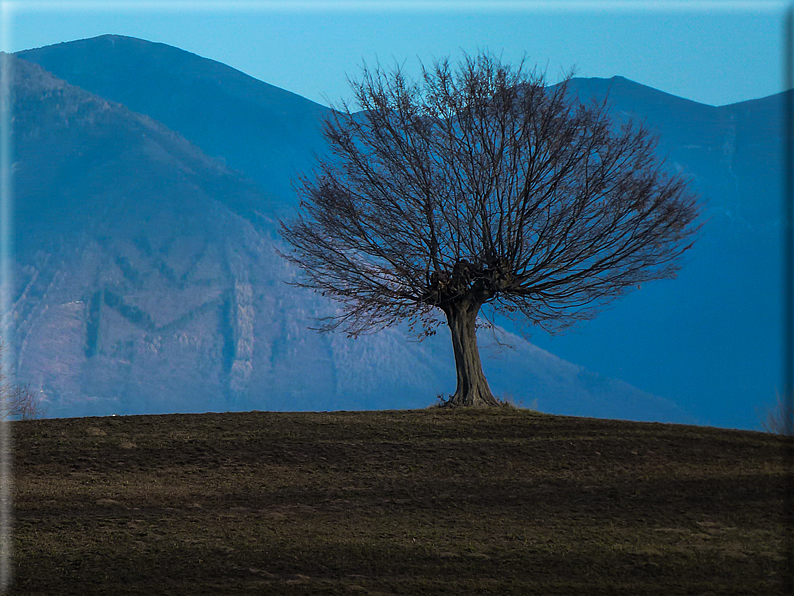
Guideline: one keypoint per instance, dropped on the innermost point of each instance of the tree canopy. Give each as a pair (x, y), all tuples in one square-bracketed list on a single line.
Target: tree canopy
[(483, 187)]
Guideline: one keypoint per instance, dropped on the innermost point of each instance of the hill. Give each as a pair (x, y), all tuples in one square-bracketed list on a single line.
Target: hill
[(395, 502)]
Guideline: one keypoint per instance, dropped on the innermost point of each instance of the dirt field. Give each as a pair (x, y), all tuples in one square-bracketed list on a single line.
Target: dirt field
[(400, 502)]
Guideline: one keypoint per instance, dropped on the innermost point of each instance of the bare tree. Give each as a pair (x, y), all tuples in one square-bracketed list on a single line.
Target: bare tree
[(779, 418), (482, 188), (17, 401)]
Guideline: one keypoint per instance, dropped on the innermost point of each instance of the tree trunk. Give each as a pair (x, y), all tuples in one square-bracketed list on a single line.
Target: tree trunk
[(472, 390)]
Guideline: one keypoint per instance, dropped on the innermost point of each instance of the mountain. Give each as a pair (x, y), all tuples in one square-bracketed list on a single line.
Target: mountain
[(256, 128), (121, 242), (146, 281), (733, 153), (709, 340)]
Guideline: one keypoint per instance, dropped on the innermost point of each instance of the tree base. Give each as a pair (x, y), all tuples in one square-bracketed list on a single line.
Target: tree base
[(472, 400)]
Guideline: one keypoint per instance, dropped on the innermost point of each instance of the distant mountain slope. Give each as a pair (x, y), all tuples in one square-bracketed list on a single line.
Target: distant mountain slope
[(73, 149), (711, 338), (266, 132), (120, 238), (723, 148), (755, 144), (146, 282)]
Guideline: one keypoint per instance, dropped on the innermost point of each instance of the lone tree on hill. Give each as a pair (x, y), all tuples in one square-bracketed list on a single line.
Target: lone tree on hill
[(16, 401), (482, 187)]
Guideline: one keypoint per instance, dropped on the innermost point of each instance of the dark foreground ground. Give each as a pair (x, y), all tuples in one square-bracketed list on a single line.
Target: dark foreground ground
[(404, 502)]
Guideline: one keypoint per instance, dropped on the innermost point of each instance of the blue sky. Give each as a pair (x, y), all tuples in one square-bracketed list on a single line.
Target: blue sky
[(715, 52)]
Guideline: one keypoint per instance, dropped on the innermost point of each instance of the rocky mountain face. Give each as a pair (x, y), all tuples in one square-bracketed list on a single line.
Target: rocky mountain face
[(147, 184), (126, 257)]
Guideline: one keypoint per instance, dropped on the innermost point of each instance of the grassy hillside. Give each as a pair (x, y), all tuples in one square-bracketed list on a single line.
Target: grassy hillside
[(395, 502)]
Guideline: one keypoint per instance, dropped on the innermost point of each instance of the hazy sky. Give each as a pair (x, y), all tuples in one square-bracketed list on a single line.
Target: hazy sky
[(715, 52)]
